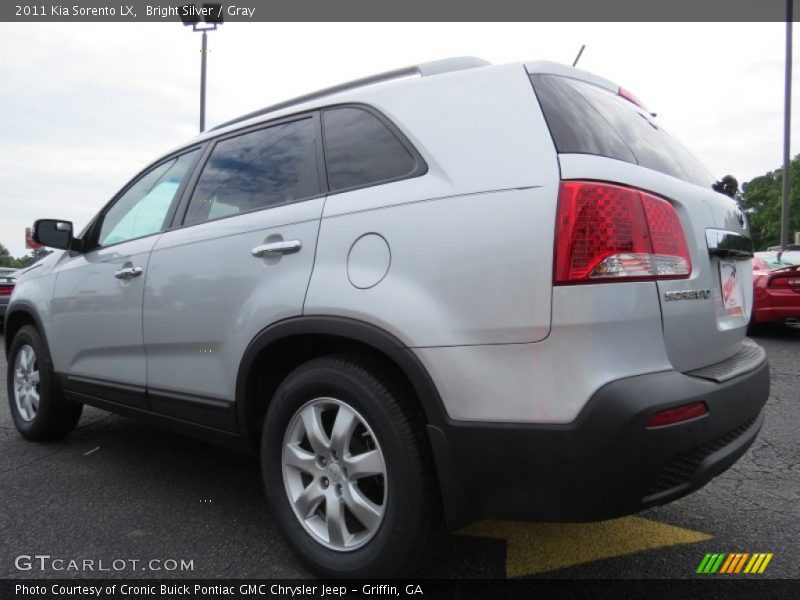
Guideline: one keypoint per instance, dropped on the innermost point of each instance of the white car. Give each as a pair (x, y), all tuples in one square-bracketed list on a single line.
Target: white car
[(449, 292)]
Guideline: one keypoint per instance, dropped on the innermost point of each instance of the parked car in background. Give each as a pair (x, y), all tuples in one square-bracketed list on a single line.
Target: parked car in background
[(449, 292), (7, 282), (776, 288), (792, 247)]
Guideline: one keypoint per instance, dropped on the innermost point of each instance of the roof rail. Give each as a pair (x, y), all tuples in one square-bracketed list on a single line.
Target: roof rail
[(436, 67)]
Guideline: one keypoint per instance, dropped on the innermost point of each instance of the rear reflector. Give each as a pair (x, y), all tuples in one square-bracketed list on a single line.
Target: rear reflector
[(5, 290), (608, 232), (678, 415)]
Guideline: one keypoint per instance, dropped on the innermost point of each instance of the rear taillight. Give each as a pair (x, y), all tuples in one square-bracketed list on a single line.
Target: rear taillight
[(790, 281), (687, 412), (607, 232), (5, 290)]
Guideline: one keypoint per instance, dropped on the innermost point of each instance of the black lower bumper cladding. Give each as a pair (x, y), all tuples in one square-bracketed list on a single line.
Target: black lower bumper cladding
[(607, 463)]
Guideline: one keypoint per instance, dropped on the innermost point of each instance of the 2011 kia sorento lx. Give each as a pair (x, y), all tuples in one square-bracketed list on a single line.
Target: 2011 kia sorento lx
[(447, 292)]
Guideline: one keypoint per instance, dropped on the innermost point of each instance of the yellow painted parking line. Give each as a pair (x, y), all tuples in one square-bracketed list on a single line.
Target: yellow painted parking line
[(753, 560), (538, 547), (764, 564)]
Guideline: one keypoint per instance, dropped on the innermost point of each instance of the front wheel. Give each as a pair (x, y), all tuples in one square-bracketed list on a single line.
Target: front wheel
[(39, 410), (348, 471)]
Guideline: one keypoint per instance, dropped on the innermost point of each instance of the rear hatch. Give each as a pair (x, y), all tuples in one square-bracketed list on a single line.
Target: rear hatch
[(602, 134)]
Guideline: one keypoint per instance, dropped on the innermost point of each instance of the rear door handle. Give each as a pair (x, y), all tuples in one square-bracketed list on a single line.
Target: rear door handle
[(287, 247), (128, 272)]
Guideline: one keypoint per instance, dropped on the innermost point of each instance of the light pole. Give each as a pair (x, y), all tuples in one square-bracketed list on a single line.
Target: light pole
[(787, 121), (211, 15)]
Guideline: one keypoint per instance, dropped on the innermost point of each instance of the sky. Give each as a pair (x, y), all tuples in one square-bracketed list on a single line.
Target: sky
[(85, 106)]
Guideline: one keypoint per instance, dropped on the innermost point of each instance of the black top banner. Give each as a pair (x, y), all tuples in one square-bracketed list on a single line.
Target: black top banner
[(205, 14)]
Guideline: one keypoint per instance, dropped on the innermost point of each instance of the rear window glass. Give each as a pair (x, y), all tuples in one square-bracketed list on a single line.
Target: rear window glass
[(360, 150), (586, 119)]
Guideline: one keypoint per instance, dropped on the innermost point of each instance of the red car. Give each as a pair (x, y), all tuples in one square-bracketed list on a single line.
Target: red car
[(776, 287), (7, 282)]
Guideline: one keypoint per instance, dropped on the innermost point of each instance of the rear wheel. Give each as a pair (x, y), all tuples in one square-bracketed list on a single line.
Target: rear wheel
[(347, 469), (39, 410)]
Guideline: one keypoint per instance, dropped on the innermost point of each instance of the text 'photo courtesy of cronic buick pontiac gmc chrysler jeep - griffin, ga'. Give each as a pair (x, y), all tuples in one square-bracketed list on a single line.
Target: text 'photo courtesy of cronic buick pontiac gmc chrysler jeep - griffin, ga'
[(448, 292)]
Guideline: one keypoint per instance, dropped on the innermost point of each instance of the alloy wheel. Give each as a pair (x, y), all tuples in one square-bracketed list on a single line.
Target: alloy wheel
[(26, 383), (334, 473)]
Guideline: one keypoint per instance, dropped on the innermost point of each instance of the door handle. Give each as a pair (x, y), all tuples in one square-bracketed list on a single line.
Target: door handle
[(288, 247), (128, 272)]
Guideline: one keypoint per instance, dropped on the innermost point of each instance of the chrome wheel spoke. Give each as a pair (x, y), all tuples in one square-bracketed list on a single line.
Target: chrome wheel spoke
[(300, 459), (35, 378), (335, 521), (24, 358), (33, 398), (367, 512), (24, 405), (308, 502), (365, 465), (343, 428), (312, 421)]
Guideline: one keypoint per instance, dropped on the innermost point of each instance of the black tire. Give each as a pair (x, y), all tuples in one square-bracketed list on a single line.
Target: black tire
[(55, 416), (754, 327), (412, 524)]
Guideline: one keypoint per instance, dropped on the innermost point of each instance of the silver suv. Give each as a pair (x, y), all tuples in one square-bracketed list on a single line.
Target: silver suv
[(447, 292)]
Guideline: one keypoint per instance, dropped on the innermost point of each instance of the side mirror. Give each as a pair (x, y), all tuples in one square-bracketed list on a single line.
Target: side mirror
[(53, 233)]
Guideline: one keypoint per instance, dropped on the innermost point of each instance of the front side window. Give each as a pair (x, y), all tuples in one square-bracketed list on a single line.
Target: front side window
[(260, 169), (360, 150), (143, 208)]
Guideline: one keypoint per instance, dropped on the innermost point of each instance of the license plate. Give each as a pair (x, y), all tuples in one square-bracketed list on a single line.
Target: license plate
[(731, 287)]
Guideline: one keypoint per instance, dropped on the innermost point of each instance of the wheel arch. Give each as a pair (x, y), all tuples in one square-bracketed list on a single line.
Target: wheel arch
[(288, 343), (19, 315)]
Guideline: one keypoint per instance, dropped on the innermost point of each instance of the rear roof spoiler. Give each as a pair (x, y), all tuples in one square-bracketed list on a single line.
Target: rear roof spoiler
[(436, 67), (544, 67)]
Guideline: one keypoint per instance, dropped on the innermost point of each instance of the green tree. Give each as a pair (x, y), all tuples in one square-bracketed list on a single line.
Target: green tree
[(6, 260), (35, 255), (762, 197)]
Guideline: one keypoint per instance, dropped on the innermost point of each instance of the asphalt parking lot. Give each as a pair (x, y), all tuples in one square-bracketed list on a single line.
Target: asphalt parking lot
[(117, 489)]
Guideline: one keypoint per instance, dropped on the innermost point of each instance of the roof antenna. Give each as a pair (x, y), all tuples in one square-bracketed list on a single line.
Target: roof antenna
[(577, 58)]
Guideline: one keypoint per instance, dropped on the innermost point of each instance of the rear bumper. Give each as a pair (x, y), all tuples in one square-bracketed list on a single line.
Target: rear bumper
[(771, 305), (777, 313), (606, 463), (3, 307)]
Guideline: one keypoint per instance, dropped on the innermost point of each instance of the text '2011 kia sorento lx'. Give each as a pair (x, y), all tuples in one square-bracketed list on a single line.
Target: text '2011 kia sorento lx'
[(448, 292)]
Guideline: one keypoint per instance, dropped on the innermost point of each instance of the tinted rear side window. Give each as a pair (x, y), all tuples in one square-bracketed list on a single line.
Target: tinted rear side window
[(360, 150), (259, 169), (586, 119)]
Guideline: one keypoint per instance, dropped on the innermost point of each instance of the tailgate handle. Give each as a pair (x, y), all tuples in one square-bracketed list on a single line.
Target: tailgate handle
[(729, 244)]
